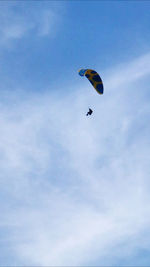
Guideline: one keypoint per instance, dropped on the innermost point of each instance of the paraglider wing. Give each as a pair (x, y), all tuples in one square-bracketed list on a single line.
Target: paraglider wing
[(94, 79)]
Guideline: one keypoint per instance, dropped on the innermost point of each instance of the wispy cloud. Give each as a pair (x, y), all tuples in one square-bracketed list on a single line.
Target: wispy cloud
[(21, 21), (77, 187), (133, 71), (47, 23)]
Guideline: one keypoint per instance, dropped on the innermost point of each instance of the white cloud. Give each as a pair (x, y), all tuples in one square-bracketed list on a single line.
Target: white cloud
[(18, 21), (47, 23), (133, 71), (77, 186)]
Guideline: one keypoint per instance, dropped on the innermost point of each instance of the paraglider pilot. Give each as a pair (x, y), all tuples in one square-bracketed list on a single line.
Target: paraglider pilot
[(89, 112)]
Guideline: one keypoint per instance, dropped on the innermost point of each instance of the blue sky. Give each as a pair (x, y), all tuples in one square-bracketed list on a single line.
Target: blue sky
[(74, 190)]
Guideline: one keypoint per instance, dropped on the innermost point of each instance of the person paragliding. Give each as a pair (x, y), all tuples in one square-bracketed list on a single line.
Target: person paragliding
[(95, 80), (89, 112)]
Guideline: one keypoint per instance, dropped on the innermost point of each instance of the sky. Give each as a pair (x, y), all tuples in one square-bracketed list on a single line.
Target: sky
[(74, 190)]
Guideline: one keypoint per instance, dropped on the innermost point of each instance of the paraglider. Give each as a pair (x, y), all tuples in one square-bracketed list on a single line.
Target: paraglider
[(89, 112), (95, 80)]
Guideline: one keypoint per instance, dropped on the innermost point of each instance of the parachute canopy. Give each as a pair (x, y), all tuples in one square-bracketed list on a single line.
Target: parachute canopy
[(94, 79)]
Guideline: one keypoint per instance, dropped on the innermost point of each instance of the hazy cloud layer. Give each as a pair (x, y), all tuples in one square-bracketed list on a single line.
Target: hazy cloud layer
[(75, 189)]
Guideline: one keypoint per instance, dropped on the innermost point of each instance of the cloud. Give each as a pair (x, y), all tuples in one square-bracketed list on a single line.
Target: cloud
[(134, 70), (75, 190), (48, 23), (17, 22)]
